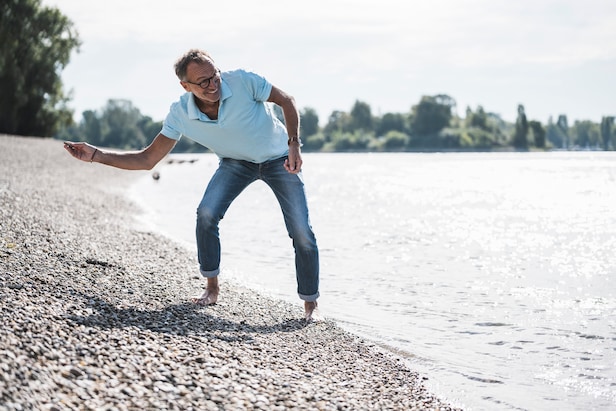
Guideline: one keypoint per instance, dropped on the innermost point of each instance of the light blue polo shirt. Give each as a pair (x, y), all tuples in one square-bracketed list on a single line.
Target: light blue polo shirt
[(246, 128)]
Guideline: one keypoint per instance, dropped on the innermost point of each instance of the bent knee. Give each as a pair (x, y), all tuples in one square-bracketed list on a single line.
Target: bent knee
[(206, 217), (304, 239)]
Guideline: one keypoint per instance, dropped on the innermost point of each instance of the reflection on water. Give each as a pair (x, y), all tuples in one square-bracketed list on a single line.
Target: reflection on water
[(492, 273)]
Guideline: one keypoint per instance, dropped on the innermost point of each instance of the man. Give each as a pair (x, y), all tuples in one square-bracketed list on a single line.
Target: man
[(226, 112)]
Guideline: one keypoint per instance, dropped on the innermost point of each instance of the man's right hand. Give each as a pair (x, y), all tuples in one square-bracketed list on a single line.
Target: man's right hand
[(81, 151)]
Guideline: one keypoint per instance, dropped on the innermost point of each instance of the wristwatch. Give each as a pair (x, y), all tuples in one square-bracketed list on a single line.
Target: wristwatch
[(293, 139)]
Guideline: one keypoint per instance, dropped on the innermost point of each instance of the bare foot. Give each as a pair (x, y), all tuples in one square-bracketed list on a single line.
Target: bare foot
[(312, 312), (210, 295)]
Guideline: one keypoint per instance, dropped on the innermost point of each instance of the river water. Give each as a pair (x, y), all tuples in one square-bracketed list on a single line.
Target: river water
[(492, 274)]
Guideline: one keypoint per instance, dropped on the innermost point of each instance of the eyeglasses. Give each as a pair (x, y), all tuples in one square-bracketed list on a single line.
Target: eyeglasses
[(206, 83)]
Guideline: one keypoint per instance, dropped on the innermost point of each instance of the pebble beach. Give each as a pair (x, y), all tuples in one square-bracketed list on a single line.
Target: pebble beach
[(97, 314)]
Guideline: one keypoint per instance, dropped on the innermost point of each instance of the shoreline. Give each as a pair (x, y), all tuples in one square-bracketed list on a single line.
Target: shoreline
[(98, 312)]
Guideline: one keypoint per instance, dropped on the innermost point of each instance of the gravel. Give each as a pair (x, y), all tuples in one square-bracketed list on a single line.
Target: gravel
[(96, 313)]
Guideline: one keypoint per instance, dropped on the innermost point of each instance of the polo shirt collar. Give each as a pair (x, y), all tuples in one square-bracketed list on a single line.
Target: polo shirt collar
[(193, 111)]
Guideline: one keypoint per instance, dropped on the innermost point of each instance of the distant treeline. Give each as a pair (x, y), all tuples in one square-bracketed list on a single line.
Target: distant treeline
[(37, 42), (431, 125)]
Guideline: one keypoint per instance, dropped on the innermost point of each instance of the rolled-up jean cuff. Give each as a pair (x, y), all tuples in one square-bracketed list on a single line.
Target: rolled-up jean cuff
[(210, 274), (309, 298)]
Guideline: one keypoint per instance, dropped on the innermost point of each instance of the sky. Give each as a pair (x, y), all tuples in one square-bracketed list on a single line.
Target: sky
[(552, 56)]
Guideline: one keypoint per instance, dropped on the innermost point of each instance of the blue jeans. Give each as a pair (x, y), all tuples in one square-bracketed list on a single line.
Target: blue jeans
[(229, 180)]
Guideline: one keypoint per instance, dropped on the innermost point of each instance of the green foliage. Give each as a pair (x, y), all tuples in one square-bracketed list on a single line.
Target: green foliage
[(346, 141), (338, 121), (477, 137), (478, 119), (309, 122), (91, 126), (432, 114), (607, 130), (482, 130), (586, 134), (500, 129), (35, 47), (563, 128), (554, 135), (392, 122), (361, 117), (445, 139), (395, 141), (313, 142), (520, 136), (538, 133), (119, 125)]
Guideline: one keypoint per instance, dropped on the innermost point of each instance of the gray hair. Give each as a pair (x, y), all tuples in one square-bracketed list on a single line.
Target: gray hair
[(196, 55)]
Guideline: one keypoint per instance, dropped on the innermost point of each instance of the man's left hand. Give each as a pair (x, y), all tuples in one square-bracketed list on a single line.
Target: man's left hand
[(293, 164)]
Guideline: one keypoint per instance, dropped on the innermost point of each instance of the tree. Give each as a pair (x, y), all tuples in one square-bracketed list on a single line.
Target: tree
[(361, 117), (338, 121), (391, 122), (586, 134), (395, 140), (149, 127), (314, 142), (346, 141), (120, 123), (477, 119), (538, 133), (91, 127), (553, 134), (36, 45), (309, 124), (563, 127), (607, 123), (432, 114), (520, 135)]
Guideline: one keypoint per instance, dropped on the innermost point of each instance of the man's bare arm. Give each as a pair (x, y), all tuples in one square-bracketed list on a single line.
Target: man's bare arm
[(144, 159)]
